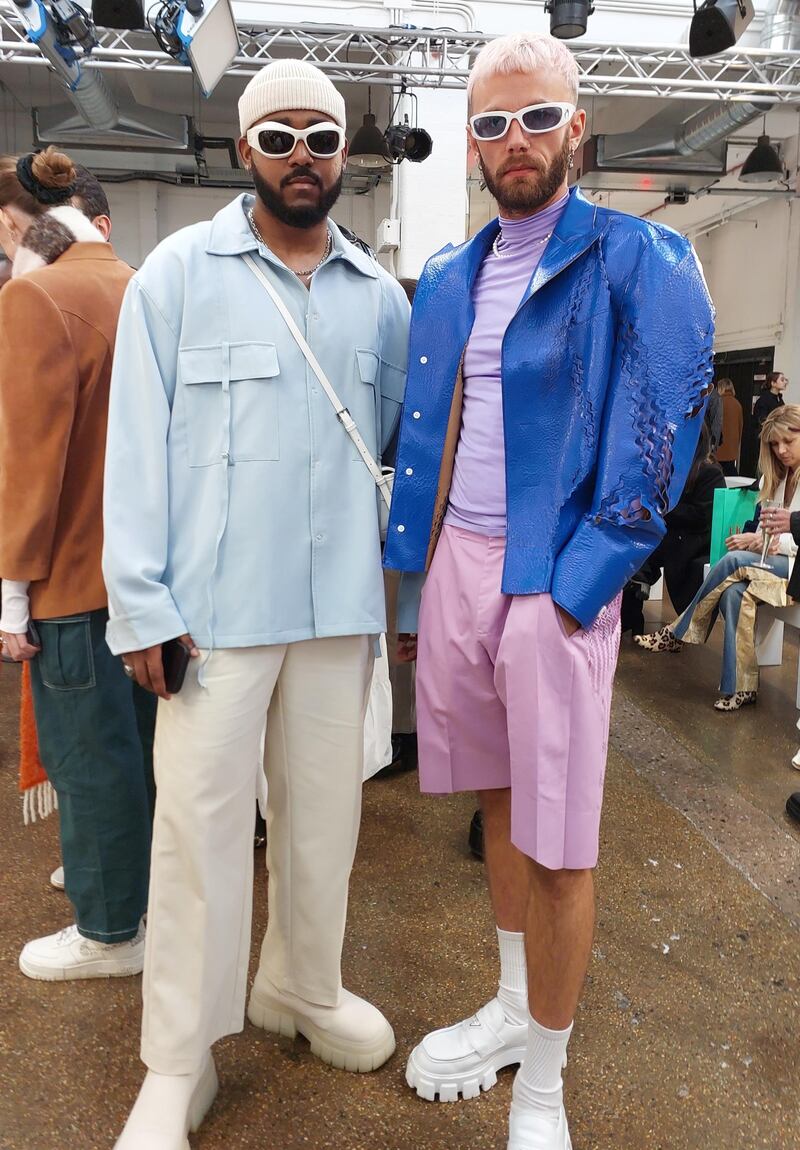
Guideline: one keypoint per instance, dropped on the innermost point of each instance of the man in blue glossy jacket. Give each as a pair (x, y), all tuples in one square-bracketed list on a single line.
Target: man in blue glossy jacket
[(548, 427)]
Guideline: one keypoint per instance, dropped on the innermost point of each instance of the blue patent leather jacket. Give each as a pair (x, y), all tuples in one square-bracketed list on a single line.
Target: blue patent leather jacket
[(605, 367)]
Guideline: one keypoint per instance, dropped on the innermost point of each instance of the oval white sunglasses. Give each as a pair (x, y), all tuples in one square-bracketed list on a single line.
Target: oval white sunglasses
[(535, 119), (278, 141)]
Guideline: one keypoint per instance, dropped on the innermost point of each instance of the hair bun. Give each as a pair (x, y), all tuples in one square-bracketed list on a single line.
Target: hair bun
[(53, 169)]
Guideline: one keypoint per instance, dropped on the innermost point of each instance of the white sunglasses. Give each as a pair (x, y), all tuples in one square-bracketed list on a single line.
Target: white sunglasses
[(278, 141), (534, 120)]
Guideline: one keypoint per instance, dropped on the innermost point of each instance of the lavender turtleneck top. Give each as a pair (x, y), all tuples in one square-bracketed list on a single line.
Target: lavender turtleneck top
[(478, 489)]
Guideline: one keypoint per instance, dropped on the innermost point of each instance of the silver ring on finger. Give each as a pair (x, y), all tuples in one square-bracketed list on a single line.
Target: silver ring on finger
[(129, 671)]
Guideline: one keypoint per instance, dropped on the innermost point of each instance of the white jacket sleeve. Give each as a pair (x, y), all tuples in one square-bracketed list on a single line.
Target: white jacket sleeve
[(786, 544), (15, 613)]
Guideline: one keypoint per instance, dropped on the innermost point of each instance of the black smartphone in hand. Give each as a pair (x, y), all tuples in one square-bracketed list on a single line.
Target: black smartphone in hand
[(32, 635), (175, 660)]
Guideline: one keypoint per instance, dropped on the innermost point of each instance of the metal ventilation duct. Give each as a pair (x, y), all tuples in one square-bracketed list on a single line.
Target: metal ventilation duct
[(86, 89), (710, 125), (90, 94), (93, 99), (698, 134), (781, 28)]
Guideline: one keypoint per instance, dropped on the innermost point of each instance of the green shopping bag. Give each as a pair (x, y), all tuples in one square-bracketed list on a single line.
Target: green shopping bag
[(733, 506)]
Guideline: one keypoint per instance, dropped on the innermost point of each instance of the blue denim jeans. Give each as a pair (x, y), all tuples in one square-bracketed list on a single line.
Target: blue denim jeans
[(95, 732), (730, 605)]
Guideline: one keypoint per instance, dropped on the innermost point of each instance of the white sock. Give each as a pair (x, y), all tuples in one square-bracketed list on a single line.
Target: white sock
[(512, 992), (538, 1084)]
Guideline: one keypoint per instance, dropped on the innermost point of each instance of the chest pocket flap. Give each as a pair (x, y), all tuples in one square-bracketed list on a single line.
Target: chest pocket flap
[(253, 361), (364, 401), (387, 401), (231, 402), (367, 365)]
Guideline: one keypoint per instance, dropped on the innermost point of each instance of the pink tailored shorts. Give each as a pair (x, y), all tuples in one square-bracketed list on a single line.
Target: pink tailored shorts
[(506, 699)]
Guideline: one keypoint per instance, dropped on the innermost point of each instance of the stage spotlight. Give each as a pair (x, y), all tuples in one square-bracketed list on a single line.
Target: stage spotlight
[(200, 33), (717, 25), (407, 143), (73, 26), (568, 18)]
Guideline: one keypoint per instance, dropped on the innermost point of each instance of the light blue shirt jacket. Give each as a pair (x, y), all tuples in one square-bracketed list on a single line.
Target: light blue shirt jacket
[(236, 507)]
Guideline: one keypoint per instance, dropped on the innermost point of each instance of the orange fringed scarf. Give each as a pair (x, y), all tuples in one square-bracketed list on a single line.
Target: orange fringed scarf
[(38, 797)]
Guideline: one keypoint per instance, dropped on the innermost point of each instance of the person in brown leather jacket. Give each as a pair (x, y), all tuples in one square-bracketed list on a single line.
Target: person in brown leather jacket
[(58, 320)]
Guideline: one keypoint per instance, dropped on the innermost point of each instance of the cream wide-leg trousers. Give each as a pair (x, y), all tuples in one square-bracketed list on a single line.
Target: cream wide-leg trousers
[(207, 757)]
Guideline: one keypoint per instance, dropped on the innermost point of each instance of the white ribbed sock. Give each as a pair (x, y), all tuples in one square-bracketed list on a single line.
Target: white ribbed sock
[(512, 993), (538, 1084)]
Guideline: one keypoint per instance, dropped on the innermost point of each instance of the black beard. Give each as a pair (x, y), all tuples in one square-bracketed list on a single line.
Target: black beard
[(531, 194), (307, 216)]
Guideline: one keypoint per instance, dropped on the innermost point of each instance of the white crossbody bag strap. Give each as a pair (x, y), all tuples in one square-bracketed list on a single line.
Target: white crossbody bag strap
[(383, 481)]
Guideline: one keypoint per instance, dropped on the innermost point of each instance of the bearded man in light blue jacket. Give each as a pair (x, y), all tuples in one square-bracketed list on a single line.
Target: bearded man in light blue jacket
[(241, 520)]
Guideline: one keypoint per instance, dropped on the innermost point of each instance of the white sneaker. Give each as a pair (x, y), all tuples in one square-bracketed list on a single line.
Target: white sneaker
[(351, 1036), (57, 878), (68, 955), (464, 1059), (168, 1108), (796, 761), (537, 1130)]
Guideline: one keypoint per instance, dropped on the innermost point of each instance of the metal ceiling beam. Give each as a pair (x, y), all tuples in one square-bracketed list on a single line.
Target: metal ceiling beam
[(437, 58)]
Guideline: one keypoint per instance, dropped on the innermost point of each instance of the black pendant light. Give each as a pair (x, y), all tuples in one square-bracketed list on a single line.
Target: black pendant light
[(763, 165), (368, 149)]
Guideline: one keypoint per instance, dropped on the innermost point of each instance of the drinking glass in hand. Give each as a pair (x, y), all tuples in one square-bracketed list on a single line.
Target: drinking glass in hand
[(766, 505)]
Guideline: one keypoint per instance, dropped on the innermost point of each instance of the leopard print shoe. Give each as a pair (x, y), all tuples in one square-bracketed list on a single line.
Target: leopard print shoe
[(662, 640), (734, 702)]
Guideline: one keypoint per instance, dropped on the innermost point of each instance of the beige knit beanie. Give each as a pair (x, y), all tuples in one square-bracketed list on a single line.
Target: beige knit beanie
[(289, 85)]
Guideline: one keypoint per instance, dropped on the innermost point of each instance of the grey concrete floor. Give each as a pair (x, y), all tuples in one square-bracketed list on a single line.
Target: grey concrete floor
[(687, 1035)]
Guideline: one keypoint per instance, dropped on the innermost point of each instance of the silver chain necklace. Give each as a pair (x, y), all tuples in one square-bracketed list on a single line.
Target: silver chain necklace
[(300, 275), (504, 255)]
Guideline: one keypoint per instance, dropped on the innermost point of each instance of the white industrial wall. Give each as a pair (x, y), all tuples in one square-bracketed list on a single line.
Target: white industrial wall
[(752, 264), (144, 212)]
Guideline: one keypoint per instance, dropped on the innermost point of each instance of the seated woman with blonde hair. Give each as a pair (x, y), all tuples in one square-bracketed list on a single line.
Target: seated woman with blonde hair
[(779, 520), (736, 584)]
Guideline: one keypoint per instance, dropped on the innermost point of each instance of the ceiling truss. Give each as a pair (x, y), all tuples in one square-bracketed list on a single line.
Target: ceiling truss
[(440, 58)]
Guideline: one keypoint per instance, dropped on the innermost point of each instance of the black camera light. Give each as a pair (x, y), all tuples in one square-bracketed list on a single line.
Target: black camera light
[(568, 18), (407, 143)]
